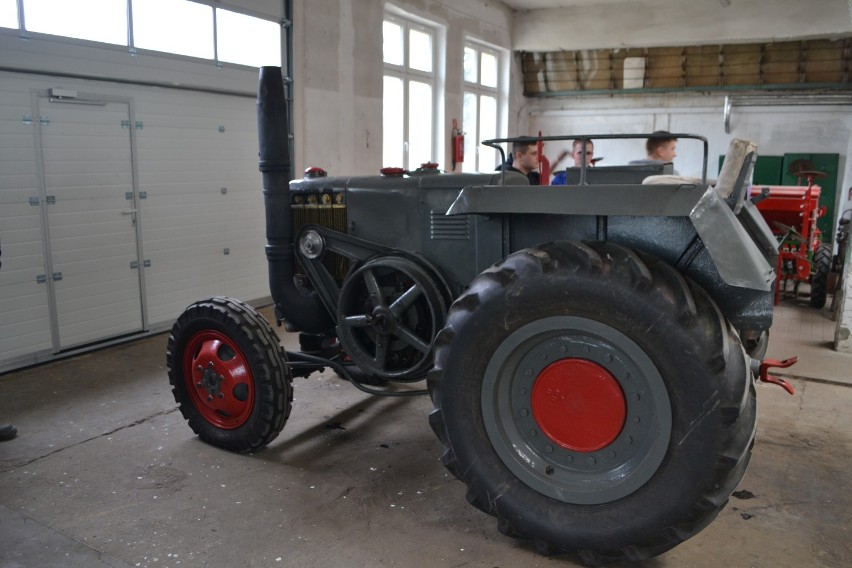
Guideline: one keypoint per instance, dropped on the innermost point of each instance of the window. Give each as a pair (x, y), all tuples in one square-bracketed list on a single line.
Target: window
[(246, 40), (8, 14), (101, 20), (409, 93), (183, 27), (175, 26), (481, 113)]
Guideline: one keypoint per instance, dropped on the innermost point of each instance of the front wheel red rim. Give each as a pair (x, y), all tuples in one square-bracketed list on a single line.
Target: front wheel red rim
[(218, 379)]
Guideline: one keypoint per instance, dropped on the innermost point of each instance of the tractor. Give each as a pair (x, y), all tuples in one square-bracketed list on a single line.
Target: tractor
[(590, 350)]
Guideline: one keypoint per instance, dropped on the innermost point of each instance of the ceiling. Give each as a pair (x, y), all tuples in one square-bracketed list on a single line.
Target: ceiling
[(552, 25), (541, 4)]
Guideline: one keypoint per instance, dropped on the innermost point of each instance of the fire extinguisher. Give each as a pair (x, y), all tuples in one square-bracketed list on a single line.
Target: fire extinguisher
[(457, 137)]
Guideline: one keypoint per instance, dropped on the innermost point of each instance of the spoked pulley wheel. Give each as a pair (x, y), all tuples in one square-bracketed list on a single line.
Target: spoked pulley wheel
[(389, 311)]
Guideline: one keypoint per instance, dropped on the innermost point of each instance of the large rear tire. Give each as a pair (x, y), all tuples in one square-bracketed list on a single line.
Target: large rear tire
[(593, 401), (820, 268), (229, 374)]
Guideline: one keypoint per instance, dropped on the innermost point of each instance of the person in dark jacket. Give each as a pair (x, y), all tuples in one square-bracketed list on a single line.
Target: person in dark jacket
[(524, 160)]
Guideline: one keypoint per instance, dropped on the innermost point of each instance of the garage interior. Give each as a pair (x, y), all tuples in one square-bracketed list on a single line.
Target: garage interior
[(119, 148)]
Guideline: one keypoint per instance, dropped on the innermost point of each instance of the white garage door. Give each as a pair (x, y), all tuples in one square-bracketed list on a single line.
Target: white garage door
[(93, 252)]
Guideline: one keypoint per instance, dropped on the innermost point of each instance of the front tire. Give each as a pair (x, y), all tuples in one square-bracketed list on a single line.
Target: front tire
[(593, 401), (229, 374)]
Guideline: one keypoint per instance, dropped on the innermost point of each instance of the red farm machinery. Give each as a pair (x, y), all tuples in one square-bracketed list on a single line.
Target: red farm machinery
[(792, 212)]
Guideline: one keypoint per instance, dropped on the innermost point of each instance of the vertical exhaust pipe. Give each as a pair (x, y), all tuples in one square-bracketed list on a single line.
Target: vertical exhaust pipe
[(301, 309)]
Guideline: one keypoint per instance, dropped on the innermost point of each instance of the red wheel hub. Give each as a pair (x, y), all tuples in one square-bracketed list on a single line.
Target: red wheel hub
[(578, 404), (218, 379)]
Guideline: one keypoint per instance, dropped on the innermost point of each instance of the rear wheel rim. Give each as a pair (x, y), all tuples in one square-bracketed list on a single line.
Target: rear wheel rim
[(218, 379), (589, 468), (578, 404)]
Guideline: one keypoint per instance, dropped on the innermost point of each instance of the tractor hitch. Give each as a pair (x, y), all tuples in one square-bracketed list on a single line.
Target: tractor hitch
[(762, 370)]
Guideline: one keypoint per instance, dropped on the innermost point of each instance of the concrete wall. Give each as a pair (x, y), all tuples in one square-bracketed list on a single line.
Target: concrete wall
[(338, 74), (651, 23)]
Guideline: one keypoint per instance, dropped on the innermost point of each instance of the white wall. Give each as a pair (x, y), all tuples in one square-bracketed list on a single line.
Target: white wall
[(338, 74)]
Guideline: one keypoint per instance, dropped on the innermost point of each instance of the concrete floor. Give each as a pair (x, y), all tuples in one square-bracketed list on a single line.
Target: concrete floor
[(104, 472)]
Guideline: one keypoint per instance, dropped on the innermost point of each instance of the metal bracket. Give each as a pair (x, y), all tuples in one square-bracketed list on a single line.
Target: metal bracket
[(41, 279), (50, 199), (57, 276), (27, 119), (766, 364), (43, 120), (35, 201), (146, 263)]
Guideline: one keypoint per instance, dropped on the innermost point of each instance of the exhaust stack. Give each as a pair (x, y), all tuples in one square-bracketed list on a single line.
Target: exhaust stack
[(301, 309)]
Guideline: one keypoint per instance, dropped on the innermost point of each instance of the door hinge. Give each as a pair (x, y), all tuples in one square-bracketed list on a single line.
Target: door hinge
[(43, 120), (27, 119), (139, 125), (35, 201), (57, 276), (41, 279), (134, 264), (125, 124), (50, 199), (146, 263)]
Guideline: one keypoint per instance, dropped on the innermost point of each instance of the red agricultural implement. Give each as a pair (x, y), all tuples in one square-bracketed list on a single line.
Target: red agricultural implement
[(792, 213)]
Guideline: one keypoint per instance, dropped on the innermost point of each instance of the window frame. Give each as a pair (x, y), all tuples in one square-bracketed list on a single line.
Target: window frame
[(478, 89), (129, 43), (407, 74)]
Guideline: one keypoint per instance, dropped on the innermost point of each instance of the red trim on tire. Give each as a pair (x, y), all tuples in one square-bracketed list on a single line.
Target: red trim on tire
[(218, 379), (578, 404)]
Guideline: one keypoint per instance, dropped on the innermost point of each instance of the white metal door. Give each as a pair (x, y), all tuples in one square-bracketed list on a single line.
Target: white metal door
[(89, 193)]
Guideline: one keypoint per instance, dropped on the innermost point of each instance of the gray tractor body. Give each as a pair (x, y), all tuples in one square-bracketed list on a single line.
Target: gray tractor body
[(463, 223)]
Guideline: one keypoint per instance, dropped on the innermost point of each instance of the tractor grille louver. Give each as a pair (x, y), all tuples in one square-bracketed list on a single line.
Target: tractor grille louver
[(444, 227), (327, 209)]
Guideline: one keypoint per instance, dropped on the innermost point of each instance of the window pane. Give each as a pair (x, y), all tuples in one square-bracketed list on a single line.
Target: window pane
[(469, 129), (420, 50), (392, 140), (232, 31), (489, 70), (470, 64), (392, 43), (419, 123), (173, 26), (488, 157), (8, 14), (64, 18)]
